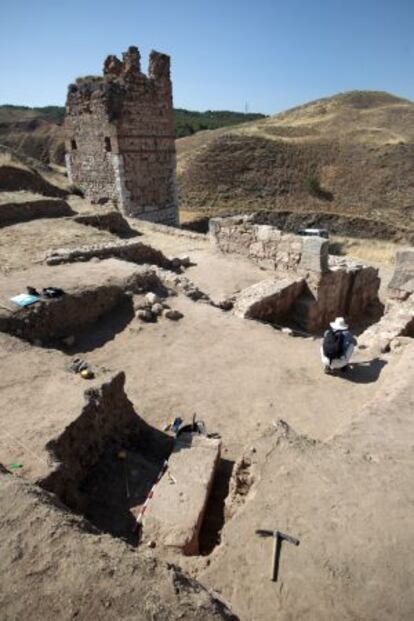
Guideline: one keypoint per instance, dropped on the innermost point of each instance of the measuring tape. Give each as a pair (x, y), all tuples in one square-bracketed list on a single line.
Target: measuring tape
[(150, 495)]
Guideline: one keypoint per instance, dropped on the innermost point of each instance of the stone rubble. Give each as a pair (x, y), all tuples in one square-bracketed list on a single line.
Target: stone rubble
[(398, 318)]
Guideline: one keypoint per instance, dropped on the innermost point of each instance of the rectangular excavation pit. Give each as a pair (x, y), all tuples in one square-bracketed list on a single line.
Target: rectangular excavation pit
[(91, 291), (101, 459), (114, 491)]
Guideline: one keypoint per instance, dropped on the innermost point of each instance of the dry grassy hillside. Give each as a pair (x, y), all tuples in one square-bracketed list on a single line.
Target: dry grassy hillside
[(351, 154)]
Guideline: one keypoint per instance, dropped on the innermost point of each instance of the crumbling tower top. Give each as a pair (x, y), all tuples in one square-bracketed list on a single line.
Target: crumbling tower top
[(120, 136)]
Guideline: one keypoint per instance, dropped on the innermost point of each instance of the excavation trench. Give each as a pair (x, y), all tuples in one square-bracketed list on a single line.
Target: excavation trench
[(106, 462)]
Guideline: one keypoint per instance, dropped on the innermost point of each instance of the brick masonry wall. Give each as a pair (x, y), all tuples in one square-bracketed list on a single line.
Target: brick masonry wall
[(120, 137)]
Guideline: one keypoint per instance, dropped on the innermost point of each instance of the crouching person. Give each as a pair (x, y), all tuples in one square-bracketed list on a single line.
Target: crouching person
[(337, 346)]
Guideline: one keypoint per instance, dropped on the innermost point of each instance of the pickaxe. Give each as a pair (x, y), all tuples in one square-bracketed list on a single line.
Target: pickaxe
[(277, 544)]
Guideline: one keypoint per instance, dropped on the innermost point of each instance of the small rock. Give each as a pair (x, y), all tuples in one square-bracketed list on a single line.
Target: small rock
[(287, 331), (142, 305), (252, 449), (152, 298), (157, 309), (151, 544), (174, 315), (145, 315), (385, 347)]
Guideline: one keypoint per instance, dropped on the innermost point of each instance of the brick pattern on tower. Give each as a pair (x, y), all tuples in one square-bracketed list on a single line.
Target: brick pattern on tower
[(120, 143)]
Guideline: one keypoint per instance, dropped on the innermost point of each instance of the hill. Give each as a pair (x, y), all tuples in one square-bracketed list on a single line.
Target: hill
[(351, 154), (37, 132)]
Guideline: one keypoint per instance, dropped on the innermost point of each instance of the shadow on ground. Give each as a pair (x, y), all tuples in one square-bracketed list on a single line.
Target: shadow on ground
[(104, 329), (364, 372), (214, 517)]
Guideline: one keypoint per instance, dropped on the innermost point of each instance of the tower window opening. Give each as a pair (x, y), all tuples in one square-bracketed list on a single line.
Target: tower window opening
[(73, 144), (108, 146)]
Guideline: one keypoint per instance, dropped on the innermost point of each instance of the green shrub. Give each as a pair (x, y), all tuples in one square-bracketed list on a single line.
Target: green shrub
[(313, 186)]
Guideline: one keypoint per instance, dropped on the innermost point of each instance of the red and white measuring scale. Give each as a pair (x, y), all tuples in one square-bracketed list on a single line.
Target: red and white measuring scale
[(150, 495)]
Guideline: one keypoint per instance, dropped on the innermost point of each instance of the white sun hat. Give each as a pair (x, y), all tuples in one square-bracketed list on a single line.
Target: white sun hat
[(339, 324)]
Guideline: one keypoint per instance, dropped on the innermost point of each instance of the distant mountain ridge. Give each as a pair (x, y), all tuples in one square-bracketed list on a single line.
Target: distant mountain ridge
[(187, 122), (351, 154)]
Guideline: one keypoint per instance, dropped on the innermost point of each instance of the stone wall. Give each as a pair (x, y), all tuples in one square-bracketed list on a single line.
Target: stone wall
[(401, 285), (398, 318), (269, 300), (134, 251), (332, 286), (268, 246), (344, 291), (120, 137)]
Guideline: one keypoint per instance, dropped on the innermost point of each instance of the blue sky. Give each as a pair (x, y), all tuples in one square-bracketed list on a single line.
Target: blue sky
[(268, 55)]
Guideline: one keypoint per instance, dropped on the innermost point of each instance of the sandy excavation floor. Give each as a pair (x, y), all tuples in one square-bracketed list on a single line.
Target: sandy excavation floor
[(239, 377)]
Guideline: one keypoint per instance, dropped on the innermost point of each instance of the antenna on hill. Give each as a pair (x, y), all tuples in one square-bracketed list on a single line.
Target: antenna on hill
[(246, 107)]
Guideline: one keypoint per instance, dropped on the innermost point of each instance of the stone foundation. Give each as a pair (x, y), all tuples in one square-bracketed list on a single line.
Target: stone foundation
[(398, 318), (268, 246), (330, 287), (401, 285), (269, 300), (134, 251)]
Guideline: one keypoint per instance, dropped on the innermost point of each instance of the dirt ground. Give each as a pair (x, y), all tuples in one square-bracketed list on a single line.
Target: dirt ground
[(240, 377), (26, 243)]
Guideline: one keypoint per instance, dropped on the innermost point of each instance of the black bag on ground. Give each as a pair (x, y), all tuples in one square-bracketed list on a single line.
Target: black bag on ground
[(332, 344)]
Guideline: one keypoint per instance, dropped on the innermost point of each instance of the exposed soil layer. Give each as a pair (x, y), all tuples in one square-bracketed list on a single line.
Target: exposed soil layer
[(16, 179), (239, 377), (23, 206), (346, 500), (56, 566), (91, 290)]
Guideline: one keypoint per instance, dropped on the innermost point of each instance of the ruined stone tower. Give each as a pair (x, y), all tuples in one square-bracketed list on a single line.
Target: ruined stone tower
[(120, 137)]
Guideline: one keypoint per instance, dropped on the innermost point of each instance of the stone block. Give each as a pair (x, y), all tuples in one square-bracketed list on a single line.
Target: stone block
[(402, 282), (314, 254), (269, 300), (175, 513), (257, 249), (265, 232)]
